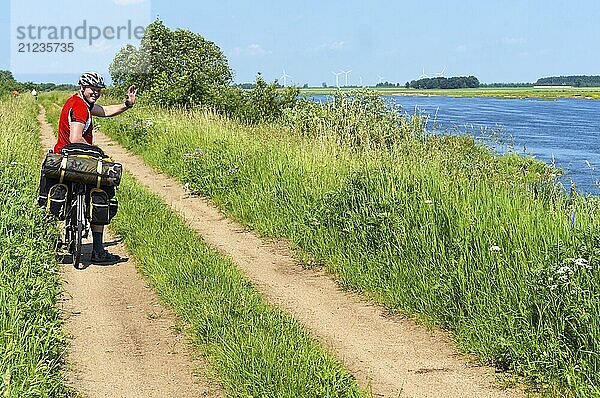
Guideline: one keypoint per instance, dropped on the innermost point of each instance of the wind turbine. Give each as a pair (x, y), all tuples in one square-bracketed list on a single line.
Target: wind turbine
[(284, 77), (346, 73), (337, 78), (441, 74), (380, 79), (423, 75)]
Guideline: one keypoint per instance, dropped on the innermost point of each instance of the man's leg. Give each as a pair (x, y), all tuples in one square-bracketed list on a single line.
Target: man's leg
[(99, 255), (97, 238)]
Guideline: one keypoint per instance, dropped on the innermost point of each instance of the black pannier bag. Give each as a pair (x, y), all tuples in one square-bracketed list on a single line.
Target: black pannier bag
[(53, 199), (102, 209), (56, 202), (82, 163), (45, 184)]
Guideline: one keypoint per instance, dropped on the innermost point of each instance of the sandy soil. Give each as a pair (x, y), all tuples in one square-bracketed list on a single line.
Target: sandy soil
[(124, 343)]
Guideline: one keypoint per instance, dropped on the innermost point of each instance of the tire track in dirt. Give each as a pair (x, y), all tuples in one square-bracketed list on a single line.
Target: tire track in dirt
[(389, 356), (123, 342)]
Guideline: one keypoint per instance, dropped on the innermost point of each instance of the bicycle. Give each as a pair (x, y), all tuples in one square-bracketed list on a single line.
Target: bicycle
[(78, 186), (77, 224)]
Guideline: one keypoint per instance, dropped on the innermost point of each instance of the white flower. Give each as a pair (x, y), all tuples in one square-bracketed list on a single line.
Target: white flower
[(186, 186), (564, 269), (494, 248), (582, 262), (428, 201)]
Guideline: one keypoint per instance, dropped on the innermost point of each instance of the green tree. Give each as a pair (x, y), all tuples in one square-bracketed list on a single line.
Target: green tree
[(173, 67), (8, 82)]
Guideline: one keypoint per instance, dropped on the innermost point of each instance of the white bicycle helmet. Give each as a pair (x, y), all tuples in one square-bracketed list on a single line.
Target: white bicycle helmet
[(93, 79)]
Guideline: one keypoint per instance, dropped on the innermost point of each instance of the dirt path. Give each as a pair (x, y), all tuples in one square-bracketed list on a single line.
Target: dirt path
[(123, 342), (390, 356)]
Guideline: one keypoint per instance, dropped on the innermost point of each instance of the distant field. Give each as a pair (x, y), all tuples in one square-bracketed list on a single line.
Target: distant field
[(508, 92)]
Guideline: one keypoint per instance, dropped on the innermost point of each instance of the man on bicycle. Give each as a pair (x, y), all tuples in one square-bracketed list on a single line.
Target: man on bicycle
[(75, 126)]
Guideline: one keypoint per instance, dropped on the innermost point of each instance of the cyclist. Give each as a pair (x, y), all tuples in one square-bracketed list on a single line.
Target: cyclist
[(75, 126)]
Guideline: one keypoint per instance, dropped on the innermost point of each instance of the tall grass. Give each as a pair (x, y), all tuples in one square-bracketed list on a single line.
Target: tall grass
[(255, 350), (31, 340), (440, 227)]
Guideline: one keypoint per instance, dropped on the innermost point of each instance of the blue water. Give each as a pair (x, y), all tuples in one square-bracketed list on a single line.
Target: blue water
[(565, 132)]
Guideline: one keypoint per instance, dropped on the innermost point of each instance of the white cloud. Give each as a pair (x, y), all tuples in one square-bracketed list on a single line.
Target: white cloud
[(128, 2), (252, 50), (335, 45), (461, 48), (513, 41), (98, 47), (256, 49)]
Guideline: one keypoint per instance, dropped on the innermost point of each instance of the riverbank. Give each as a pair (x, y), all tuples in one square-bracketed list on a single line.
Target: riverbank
[(549, 93)]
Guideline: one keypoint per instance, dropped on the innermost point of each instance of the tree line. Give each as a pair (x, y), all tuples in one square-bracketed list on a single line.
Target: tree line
[(9, 84), (575, 81), (444, 82)]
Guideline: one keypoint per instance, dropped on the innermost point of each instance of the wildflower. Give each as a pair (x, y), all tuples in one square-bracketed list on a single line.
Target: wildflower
[(428, 201), (186, 186), (553, 287), (573, 218), (196, 152), (494, 248), (148, 123), (135, 124), (564, 270), (232, 171), (582, 262)]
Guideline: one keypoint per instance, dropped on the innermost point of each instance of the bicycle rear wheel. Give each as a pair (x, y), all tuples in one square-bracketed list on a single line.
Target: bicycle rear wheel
[(79, 225)]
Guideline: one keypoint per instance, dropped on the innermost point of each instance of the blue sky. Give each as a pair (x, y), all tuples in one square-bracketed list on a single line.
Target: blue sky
[(497, 41)]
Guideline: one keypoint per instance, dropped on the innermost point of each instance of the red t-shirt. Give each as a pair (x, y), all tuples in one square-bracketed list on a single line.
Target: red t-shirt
[(74, 110)]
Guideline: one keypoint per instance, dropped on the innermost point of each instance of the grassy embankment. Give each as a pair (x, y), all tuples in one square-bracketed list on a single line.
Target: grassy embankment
[(507, 92), (254, 349), (31, 340), (433, 226)]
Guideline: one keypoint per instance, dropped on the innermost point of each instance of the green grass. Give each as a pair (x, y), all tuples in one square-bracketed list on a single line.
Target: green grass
[(436, 227), (255, 350), (32, 342), (507, 92)]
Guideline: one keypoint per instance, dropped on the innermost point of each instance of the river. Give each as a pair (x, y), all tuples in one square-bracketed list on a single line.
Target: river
[(565, 131)]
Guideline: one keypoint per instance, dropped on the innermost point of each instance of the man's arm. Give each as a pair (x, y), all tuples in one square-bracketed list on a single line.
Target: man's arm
[(108, 110), (76, 133), (113, 110)]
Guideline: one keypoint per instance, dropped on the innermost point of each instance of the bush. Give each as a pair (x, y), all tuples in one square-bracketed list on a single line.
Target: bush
[(359, 118), (263, 103)]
